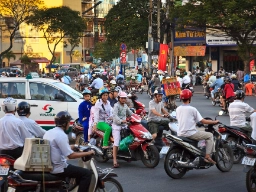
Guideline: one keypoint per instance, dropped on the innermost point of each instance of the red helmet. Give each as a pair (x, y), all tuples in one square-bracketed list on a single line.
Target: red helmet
[(185, 94)]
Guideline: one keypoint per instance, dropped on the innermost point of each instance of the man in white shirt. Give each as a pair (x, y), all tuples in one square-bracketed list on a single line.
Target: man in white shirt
[(23, 111), (179, 79), (60, 150), (13, 131), (253, 125), (187, 117), (96, 85), (185, 80)]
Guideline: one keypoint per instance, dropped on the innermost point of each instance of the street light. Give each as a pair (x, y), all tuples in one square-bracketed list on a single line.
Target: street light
[(2, 24)]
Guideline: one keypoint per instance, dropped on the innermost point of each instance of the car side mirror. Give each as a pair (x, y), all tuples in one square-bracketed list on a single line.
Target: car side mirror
[(59, 96)]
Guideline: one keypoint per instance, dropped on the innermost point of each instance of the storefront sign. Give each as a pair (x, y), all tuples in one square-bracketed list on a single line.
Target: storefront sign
[(189, 51)]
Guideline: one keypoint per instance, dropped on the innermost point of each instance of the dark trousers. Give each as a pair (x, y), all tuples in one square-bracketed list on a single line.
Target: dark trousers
[(15, 153), (95, 91), (82, 176)]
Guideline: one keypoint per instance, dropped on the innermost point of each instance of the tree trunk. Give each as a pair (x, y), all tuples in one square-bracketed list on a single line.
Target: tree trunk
[(246, 66)]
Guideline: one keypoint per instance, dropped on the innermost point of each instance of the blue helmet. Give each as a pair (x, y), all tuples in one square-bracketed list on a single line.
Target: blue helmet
[(102, 91), (86, 92), (120, 72)]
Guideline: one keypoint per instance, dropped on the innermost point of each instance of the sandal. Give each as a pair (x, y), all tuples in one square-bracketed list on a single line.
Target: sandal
[(116, 165), (209, 160)]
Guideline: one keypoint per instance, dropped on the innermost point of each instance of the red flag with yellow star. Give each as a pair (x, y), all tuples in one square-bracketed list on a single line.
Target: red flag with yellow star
[(162, 57)]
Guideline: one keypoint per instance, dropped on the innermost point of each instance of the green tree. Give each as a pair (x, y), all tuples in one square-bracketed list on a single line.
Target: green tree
[(25, 59), (8, 56), (56, 24), (106, 51), (15, 12), (235, 18), (127, 22)]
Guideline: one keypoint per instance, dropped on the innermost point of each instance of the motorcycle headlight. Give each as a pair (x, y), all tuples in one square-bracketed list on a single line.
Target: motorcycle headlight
[(146, 135)]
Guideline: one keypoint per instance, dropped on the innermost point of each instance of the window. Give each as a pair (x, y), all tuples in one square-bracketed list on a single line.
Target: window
[(15, 90), (40, 91)]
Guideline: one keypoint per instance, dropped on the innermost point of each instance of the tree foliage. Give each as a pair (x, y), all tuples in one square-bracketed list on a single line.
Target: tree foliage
[(234, 17), (106, 51), (16, 12), (56, 24), (8, 56), (127, 22)]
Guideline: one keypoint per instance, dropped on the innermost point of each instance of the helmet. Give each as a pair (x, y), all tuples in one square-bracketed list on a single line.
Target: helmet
[(23, 108), (158, 92), (185, 94), (240, 94), (177, 73), (116, 89), (185, 73), (102, 91), (62, 118), (9, 105), (122, 94), (120, 72), (227, 79), (104, 73), (113, 82), (132, 77), (86, 92), (233, 76), (94, 99)]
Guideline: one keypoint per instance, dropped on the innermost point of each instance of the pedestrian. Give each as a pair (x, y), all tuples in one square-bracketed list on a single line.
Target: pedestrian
[(248, 88), (194, 78), (240, 75)]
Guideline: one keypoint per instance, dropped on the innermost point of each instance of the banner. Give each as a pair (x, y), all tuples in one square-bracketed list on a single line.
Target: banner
[(189, 50), (162, 57)]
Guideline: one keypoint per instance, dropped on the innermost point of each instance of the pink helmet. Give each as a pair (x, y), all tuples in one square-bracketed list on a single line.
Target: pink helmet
[(122, 94)]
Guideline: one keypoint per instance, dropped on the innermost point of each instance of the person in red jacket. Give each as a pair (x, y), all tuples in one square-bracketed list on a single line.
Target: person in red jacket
[(228, 92)]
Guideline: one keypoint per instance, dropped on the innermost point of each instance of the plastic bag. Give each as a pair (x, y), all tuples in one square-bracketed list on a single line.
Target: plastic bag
[(124, 144)]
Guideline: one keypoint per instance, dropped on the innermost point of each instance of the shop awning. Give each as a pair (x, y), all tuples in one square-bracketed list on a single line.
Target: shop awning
[(189, 50), (52, 66), (33, 60)]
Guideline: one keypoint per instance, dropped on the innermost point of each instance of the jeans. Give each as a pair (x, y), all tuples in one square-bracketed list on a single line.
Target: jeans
[(107, 131), (82, 176), (86, 127), (15, 153)]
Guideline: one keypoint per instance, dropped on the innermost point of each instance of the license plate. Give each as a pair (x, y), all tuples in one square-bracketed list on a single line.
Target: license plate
[(10, 189), (190, 87), (4, 170), (164, 150), (248, 161), (224, 137)]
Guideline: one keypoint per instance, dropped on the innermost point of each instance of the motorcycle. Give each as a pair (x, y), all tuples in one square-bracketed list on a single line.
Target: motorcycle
[(141, 147), (6, 164), (30, 179), (207, 91), (139, 108), (186, 154), (236, 137), (216, 99), (250, 166), (77, 133)]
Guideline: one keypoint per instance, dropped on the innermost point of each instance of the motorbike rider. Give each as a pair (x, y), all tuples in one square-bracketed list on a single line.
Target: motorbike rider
[(156, 83), (120, 112), (13, 131), (120, 76), (103, 116), (237, 112), (96, 84), (185, 80), (91, 119), (84, 112), (60, 150), (228, 92), (187, 117), (23, 111), (112, 97), (235, 82), (156, 114), (217, 84)]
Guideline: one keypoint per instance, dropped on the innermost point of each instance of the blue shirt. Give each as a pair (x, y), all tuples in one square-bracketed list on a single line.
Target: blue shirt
[(217, 84), (246, 78), (97, 83), (139, 78), (84, 110)]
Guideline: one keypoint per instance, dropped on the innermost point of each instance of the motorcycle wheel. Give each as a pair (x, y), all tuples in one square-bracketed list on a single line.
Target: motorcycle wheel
[(169, 163), (99, 158), (224, 158), (153, 157), (238, 155), (110, 184), (250, 181), (80, 139)]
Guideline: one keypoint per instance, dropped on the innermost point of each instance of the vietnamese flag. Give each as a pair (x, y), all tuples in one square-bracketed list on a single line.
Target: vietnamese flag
[(162, 57)]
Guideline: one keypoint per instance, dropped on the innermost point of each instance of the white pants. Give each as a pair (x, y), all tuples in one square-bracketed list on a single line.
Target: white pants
[(116, 134)]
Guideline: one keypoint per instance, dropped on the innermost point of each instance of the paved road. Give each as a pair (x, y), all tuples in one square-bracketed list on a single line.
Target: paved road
[(134, 177)]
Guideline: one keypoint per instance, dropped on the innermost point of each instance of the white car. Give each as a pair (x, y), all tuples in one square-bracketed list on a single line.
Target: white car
[(34, 75), (46, 97)]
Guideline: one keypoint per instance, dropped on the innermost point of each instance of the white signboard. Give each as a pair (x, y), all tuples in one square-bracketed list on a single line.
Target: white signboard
[(214, 37)]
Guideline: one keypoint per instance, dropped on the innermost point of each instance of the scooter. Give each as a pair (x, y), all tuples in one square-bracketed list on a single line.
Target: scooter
[(139, 107), (141, 147), (6, 164), (34, 175), (77, 133)]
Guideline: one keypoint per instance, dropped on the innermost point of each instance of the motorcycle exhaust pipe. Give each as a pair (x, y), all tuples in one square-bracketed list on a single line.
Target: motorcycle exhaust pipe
[(182, 164), (240, 147)]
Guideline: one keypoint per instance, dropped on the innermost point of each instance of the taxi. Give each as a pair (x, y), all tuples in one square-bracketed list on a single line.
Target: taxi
[(46, 97)]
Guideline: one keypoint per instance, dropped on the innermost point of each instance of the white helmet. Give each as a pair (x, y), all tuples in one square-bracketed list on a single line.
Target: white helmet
[(113, 82), (9, 105), (122, 94)]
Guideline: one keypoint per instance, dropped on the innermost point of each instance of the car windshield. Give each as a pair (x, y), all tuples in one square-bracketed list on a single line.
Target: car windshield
[(69, 90)]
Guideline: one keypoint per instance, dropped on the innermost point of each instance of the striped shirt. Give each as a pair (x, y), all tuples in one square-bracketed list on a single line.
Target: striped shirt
[(237, 111)]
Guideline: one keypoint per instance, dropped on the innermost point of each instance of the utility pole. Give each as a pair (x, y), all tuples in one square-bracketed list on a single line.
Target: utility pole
[(150, 38), (158, 21)]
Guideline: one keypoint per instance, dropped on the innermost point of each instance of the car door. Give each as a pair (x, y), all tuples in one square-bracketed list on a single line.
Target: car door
[(43, 104)]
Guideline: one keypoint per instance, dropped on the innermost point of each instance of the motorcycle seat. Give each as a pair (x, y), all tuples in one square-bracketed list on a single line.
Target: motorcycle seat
[(191, 141), (38, 176)]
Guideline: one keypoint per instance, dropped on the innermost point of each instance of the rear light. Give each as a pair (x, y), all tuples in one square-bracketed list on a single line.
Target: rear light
[(6, 161), (222, 129), (249, 151)]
